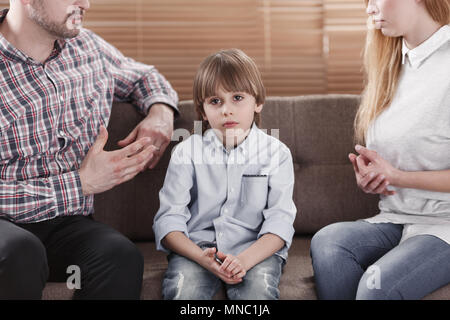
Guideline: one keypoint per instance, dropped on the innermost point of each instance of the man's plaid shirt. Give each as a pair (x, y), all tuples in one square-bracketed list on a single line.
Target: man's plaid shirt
[(50, 115)]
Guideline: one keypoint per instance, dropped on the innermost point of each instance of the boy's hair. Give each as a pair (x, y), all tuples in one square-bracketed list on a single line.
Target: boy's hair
[(232, 70)]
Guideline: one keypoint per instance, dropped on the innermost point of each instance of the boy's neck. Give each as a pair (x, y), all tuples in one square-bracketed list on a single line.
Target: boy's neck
[(235, 144)]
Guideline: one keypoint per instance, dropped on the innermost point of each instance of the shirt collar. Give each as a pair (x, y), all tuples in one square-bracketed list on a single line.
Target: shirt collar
[(10, 52), (419, 54), (248, 145)]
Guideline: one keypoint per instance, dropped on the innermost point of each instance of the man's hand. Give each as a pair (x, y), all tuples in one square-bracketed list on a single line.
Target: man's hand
[(158, 126), (102, 170)]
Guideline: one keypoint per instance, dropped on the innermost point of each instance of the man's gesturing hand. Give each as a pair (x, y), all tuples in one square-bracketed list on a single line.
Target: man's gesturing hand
[(158, 126), (102, 170)]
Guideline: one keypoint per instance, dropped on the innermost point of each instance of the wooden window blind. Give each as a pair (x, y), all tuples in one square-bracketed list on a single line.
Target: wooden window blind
[(345, 30), (300, 46)]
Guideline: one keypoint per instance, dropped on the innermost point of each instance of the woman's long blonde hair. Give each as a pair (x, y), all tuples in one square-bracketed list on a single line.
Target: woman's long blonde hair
[(382, 66)]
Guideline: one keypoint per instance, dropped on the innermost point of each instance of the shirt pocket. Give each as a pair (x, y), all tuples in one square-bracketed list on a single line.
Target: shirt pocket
[(253, 200)]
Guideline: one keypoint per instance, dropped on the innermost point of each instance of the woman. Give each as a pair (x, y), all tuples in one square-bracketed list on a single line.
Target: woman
[(404, 120)]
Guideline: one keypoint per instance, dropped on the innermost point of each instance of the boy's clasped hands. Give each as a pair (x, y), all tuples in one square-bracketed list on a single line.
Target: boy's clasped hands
[(231, 270)]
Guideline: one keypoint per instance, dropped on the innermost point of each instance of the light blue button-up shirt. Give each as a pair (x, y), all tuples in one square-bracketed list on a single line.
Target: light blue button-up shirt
[(228, 197)]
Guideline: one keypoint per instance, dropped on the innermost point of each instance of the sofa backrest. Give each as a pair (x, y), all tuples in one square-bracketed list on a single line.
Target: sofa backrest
[(318, 129)]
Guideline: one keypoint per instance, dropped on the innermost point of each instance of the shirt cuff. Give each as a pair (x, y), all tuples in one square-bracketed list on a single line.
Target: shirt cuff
[(160, 99), (68, 193), (281, 228)]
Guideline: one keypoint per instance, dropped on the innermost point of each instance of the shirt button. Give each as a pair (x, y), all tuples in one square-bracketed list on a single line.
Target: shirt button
[(231, 190), (61, 98), (220, 234), (225, 210)]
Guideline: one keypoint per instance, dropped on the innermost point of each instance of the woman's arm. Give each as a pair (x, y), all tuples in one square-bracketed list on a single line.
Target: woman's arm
[(438, 181), (426, 180)]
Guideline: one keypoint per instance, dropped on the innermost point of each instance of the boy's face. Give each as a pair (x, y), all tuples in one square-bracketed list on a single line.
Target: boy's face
[(231, 115), (60, 18)]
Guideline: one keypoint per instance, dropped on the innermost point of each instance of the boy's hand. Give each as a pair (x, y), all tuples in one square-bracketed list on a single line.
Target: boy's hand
[(232, 266), (209, 262)]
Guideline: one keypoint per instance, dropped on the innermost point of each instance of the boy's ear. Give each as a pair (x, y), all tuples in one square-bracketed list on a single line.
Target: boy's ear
[(259, 108)]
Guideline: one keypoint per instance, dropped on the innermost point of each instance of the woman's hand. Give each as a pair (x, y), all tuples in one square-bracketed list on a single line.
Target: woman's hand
[(373, 173)]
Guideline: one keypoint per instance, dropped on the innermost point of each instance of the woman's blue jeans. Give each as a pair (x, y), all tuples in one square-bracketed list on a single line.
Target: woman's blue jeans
[(187, 280), (362, 260)]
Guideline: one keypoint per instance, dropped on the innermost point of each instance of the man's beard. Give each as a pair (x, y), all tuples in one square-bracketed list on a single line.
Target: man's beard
[(70, 28)]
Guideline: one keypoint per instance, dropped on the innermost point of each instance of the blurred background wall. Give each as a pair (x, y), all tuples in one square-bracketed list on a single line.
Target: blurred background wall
[(301, 46)]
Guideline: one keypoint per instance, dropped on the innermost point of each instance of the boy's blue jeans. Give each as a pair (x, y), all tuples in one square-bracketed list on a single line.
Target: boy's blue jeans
[(187, 280), (364, 260)]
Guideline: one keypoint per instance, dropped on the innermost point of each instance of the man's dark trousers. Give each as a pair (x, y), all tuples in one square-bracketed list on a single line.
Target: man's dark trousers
[(110, 265)]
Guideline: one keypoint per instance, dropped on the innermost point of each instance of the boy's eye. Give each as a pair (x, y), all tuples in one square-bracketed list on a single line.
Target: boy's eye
[(214, 101), (238, 97)]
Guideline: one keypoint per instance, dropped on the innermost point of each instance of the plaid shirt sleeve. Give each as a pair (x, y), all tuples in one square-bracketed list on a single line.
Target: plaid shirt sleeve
[(136, 82), (36, 200), (50, 115)]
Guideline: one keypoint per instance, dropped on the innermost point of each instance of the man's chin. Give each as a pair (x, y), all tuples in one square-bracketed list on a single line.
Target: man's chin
[(73, 33), (68, 34)]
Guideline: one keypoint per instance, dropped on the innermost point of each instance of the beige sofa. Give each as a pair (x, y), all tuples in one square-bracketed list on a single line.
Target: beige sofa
[(317, 129)]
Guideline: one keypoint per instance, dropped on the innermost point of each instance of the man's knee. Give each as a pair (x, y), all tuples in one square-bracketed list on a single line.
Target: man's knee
[(112, 270), (122, 253), (23, 266)]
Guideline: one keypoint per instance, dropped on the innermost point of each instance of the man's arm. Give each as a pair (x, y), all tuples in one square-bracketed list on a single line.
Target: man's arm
[(149, 91), (40, 199), (135, 82)]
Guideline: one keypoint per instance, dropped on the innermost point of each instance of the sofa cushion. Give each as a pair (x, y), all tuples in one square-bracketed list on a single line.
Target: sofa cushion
[(318, 131), (297, 281)]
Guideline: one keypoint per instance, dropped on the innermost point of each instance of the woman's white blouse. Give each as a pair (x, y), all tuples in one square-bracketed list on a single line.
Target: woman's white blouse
[(413, 134)]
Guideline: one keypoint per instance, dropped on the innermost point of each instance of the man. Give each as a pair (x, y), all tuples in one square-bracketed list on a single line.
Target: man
[(57, 84)]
